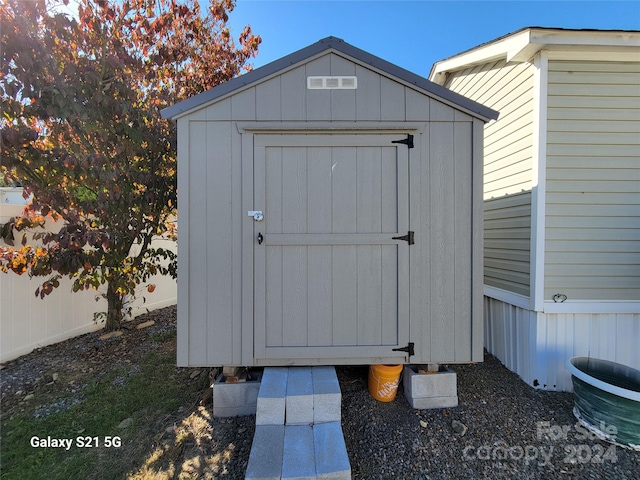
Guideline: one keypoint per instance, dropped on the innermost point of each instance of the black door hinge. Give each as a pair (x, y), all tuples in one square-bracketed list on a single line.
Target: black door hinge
[(407, 141), (409, 238), (409, 349)]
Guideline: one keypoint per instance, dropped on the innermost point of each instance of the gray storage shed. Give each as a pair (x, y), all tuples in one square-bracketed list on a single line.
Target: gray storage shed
[(330, 212)]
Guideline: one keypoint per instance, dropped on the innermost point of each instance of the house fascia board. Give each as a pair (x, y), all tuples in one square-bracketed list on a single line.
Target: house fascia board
[(338, 46), (523, 45), (486, 53)]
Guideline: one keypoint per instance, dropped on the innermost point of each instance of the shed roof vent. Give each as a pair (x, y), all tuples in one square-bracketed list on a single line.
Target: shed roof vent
[(332, 83)]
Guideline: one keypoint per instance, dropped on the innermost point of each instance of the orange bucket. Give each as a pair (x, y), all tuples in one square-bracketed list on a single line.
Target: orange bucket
[(383, 381)]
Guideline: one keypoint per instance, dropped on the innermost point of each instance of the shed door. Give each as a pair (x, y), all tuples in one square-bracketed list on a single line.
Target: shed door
[(330, 282)]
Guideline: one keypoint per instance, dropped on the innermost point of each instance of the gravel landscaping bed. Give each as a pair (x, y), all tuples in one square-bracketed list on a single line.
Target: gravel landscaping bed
[(512, 431), (503, 427)]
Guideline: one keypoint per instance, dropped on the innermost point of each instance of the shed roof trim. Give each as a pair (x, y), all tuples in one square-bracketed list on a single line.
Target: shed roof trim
[(339, 46)]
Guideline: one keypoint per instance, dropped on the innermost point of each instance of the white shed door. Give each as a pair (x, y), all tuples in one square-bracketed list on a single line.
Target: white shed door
[(330, 281)]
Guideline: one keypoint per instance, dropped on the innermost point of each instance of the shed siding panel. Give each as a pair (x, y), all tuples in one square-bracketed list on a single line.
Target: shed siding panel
[(420, 264), (443, 256), (218, 111), (318, 101), (462, 237), (440, 112), (593, 181), (507, 236), (243, 105), (508, 147), (183, 323), (343, 102), (392, 101), (368, 94), (268, 100), (293, 94), (442, 251), (198, 248), (218, 242), (417, 106)]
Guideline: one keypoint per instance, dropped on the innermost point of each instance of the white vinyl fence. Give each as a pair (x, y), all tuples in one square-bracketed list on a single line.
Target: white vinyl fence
[(28, 322)]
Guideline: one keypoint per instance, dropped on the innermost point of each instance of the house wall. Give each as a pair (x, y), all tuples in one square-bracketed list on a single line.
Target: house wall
[(508, 150), (593, 181), (28, 322), (507, 240), (537, 345), (507, 88), (215, 317)]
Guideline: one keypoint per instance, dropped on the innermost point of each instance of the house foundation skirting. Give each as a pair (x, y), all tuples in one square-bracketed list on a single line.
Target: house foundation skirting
[(537, 345)]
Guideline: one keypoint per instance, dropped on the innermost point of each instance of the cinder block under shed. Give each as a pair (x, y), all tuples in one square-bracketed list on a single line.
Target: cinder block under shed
[(430, 390), (236, 399)]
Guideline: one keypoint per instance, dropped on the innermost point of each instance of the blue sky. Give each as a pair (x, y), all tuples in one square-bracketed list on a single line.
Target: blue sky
[(415, 34)]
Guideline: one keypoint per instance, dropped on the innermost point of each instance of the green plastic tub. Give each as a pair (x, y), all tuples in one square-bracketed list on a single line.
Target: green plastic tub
[(607, 399)]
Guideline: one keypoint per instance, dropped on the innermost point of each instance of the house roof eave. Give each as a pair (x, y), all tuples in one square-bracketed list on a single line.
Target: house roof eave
[(522, 45)]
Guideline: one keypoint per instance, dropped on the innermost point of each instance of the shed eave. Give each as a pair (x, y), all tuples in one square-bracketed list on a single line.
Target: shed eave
[(338, 46)]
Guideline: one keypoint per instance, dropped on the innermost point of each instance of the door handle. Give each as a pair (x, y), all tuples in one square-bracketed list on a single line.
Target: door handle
[(260, 238)]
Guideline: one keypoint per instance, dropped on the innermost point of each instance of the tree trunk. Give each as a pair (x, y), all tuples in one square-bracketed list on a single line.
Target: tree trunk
[(114, 309)]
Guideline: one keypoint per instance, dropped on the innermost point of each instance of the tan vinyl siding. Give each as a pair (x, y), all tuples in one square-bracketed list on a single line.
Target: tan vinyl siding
[(507, 237), (508, 142), (593, 181)]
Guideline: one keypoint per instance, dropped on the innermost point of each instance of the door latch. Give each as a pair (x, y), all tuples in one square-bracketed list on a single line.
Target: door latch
[(256, 214), (260, 238)]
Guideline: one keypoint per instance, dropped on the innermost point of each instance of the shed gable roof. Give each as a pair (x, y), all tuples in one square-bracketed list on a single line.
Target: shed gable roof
[(341, 47)]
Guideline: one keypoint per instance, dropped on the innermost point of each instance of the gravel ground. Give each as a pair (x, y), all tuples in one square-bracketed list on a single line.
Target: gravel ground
[(512, 430)]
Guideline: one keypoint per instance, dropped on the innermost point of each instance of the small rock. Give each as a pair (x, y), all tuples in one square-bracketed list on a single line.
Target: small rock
[(125, 423), (29, 397), (459, 427), (194, 374), (19, 392), (170, 429), (55, 377), (423, 424)]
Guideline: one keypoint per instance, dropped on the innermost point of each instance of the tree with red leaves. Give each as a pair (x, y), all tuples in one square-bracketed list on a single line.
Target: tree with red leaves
[(81, 131)]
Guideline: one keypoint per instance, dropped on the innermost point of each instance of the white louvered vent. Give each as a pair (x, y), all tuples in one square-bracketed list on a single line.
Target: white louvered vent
[(332, 83)]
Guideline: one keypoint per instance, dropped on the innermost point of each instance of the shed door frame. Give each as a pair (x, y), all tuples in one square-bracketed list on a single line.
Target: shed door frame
[(256, 331)]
